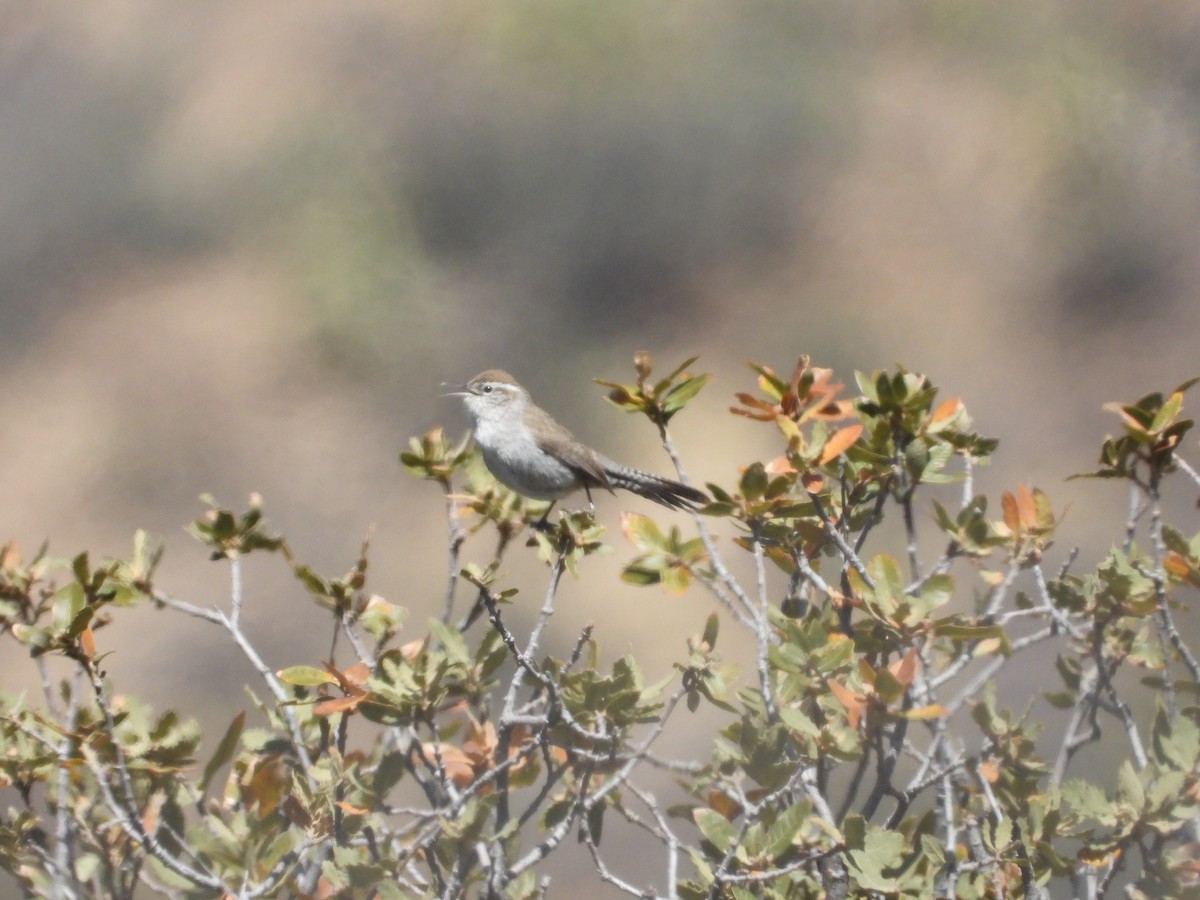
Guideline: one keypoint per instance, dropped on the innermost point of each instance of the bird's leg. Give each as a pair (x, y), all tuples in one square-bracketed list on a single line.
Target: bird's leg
[(591, 506), (543, 523)]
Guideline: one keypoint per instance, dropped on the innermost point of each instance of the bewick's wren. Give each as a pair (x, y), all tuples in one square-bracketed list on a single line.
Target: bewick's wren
[(533, 455)]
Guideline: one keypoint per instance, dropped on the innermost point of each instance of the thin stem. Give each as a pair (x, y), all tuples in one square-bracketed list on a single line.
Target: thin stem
[(762, 628), (718, 566), (455, 538), (218, 617), (126, 808)]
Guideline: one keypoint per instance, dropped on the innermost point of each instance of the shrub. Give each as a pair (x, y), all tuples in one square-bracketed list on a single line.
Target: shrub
[(861, 750)]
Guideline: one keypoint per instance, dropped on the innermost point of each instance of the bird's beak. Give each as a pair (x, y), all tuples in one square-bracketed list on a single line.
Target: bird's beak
[(460, 390)]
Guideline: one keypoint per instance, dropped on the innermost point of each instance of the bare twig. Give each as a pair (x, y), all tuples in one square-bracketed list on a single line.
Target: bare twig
[(219, 617), (455, 538)]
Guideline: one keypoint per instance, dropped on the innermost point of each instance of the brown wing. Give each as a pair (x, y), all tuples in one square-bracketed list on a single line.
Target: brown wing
[(562, 445)]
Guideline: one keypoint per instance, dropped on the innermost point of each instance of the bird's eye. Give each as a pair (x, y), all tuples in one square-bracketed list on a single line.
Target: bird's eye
[(487, 388)]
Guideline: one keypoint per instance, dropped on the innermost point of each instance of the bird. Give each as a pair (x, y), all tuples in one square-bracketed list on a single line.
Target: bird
[(532, 454)]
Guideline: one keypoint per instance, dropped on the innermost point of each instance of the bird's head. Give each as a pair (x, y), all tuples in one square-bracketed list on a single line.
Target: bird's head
[(490, 393)]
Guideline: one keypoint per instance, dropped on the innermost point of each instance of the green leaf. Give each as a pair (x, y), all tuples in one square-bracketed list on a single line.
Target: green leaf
[(642, 532), (595, 821), (79, 568), (682, 393), (937, 591), (639, 575), (81, 622), (676, 580), (716, 829), (68, 603), (797, 721), (956, 631), (86, 866), (225, 750), (711, 626), (1176, 743), (854, 826), (754, 481), (1086, 799), (305, 676), (882, 851), (451, 640), (787, 826), (1129, 786), (682, 367), (1167, 413)]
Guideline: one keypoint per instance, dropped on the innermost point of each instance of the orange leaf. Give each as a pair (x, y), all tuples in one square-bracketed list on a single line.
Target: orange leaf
[(779, 466), (358, 674), (757, 416), (990, 770), (10, 556), (296, 813), (812, 482), (1011, 517), (1026, 508), (1130, 422), (932, 711), (353, 810), (344, 681), (755, 403), (457, 764), (337, 705), (268, 784), (839, 442), (1176, 565), (946, 409), (87, 642), (1098, 858), (724, 804), (854, 703), (835, 409), (904, 670), (481, 745), (151, 812)]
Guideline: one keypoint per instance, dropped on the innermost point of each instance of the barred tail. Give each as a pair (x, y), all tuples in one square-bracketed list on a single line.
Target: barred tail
[(654, 487)]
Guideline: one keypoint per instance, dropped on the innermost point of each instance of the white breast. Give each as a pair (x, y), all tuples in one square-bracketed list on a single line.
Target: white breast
[(511, 453)]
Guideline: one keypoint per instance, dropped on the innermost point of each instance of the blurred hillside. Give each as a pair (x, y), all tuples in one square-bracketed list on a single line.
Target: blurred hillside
[(242, 244)]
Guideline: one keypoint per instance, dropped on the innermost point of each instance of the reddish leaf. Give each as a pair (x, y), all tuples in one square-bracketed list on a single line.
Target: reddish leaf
[(345, 682), (839, 442), (1026, 508), (724, 804), (946, 409), (87, 642), (932, 711), (854, 703), (268, 784), (1012, 517), (338, 704), (457, 764), (904, 670), (358, 674), (412, 649), (780, 466), (296, 813)]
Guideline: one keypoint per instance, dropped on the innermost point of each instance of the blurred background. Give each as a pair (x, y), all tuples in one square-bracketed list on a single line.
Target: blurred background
[(242, 244)]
